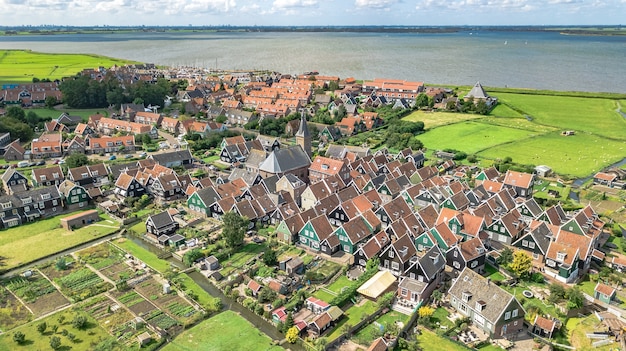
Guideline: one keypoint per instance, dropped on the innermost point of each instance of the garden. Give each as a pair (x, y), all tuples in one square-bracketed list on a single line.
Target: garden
[(387, 323), (81, 284), (171, 303), (39, 295), (148, 257), (12, 311)]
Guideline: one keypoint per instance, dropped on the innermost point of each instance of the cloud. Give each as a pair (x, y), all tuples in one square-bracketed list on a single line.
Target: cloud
[(292, 4), (375, 4)]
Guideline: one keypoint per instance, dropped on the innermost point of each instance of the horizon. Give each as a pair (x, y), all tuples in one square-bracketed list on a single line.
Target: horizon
[(314, 12)]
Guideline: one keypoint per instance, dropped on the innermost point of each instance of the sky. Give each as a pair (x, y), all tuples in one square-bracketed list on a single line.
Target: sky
[(312, 12)]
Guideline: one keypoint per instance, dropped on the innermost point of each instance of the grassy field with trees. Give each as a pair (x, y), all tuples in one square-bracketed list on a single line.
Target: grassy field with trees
[(21, 66), (526, 126)]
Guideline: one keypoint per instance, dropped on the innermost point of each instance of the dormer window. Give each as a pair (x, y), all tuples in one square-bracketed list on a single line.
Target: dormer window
[(561, 256), (480, 305), (466, 296)]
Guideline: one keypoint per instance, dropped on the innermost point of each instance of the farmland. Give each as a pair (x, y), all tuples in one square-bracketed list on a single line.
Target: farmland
[(19, 66), (31, 241), (235, 333), (527, 127)]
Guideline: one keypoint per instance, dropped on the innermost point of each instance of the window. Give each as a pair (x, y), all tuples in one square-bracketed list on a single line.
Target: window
[(346, 248), (474, 264), (525, 243), (395, 266), (391, 253), (495, 227), (404, 292), (551, 263), (502, 229), (456, 265), (425, 240), (560, 256), (455, 253), (55, 202), (507, 316), (515, 323), (535, 256), (531, 245), (514, 314)]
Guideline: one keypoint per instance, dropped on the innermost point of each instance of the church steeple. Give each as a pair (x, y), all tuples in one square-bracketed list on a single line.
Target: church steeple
[(303, 137)]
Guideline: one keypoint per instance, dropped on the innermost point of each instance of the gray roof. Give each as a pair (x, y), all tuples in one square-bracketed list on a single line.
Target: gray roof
[(246, 175), (117, 169), (161, 219), (255, 158), (270, 183), (477, 92), (412, 284), (208, 195), (303, 131), (496, 299), (285, 160), (173, 156), (428, 262)]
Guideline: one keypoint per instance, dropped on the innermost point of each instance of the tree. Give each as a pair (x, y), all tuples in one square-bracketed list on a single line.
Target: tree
[(61, 264), (521, 264), (234, 229), (506, 257), (51, 101), (289, 322), (79, 321), (192, 256), (292, 335), (19, 337), (575, 298), (267, 295), (557, 292), (41, 327), (76, 160), (320, 344), (55, 342), (269, 257), (425, 312), (221, 119), (422, 100), (437, 296), (17, 113), (481, 107)]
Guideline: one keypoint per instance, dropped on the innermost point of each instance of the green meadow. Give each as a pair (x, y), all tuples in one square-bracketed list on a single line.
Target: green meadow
[(20, 66), (599, 139)]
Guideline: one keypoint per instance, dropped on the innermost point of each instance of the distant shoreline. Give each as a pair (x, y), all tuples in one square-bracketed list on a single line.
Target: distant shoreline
[(574, 30)]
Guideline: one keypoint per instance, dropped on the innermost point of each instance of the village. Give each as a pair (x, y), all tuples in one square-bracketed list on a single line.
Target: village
[(369, 247)]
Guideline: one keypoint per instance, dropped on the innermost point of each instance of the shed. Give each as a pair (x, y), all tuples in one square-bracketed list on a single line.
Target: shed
[(543, 171), (544, 327), (144, 339), (295, 265), (213, 263), (80, 219), (604, 293), (176, 240), (377, 285)]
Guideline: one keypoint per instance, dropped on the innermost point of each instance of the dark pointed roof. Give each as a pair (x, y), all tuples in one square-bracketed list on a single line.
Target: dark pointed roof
[(477, 92), (303, 131)]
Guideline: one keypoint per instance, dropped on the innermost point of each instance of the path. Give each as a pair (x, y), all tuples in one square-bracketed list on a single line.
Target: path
[(619, 109)]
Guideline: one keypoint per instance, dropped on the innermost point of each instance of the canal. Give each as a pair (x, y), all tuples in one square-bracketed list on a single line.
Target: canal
[(228, 303)]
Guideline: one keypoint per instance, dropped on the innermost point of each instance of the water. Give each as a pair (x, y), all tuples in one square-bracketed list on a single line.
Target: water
[(528, 59)]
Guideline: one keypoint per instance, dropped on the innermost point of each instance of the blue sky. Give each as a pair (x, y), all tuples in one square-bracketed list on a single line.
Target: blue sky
[(312, 12)]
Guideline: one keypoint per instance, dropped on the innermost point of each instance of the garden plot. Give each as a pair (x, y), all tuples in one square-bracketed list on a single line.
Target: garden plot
[(101, 256), (12, 311), (39, 295), (112, 317), (120, 271), (135, 303), (82, 284), (171, 303)]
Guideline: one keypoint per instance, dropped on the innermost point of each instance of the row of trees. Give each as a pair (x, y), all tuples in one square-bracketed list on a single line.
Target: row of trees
[(21, 124), (84, 92)]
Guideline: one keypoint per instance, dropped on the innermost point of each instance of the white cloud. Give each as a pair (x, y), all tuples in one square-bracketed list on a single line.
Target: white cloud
[(375, 4), (291, 4)]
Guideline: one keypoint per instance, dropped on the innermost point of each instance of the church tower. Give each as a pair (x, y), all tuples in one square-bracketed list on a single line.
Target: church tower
[(303, 137)]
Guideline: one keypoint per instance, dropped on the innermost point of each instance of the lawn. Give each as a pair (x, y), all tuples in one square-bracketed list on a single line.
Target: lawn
[(353, 316), (430, 341), (493, 273), (85, 338), (20, 66), (338, 285), (502, 110), (597, 116), (578, 328), (472, 137), (373, 330), (436, 119), (205, 300), (144, 255), (441, 316), (238, 259), (55, 113), (29, 242), (542, 187), (234, 333), (139, 227), (577, 155)]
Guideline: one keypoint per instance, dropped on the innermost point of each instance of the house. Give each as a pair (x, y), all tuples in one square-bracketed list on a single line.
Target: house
[(127, 186), (110, 126), (320, 323), (14, 181), (568, 256), (148, 118), (288, 229), (607, 179), (202, 199), (110, 144), (176, 240), (478, 94), (173, 159), (74, 196), (521, 183), (314, 232), (371, 249), (170, 125), (14, 151), (489, 307), (544, 327), (47, 176), (83, 129), (161, 224), (353, 233), (604, 293), (294, 265), (89, 175), (47, 145), (422, 277), (469, 254), (378, 345), (254, 287), (535, 241), (316, 305), (397, 256), (324, 167)]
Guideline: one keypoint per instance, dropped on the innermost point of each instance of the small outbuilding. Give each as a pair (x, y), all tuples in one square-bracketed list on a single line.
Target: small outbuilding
[(543, 171), (144, 339), (544, 327), (604, 293), (80, 220), (377, 285)]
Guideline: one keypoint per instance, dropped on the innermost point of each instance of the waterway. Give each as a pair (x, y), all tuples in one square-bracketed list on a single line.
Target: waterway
[(227, 303), (536, 60)]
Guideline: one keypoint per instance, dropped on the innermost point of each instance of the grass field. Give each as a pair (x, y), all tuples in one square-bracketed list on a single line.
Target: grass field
[(144, 255), (203, 298), (596, 116), (85, 339), (353, 316), (430, 341), (29, 242), (18, 66), (578, 155), (225, 331), (368, 334), (471, 137), (56, 112), (502, 110), (436, 119), (578, 328)]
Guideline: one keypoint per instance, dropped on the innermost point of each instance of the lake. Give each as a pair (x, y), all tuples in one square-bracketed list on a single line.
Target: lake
[(534, 60)]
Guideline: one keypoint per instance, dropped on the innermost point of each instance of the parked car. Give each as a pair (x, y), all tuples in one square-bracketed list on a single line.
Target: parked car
[(23, 164), (143, 154), (41, 163), (32, 164), (128, 156), (61, 162), (112, 157)]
